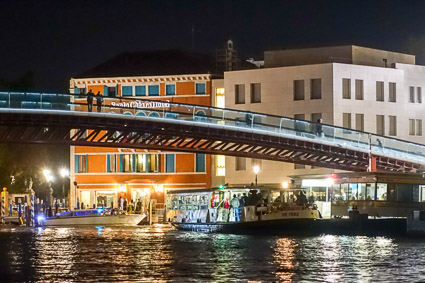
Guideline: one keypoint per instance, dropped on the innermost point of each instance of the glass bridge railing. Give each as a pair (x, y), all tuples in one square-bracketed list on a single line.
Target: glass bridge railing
[(272, 124)]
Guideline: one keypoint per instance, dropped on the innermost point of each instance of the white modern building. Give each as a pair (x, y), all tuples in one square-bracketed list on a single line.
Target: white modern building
[(350, 86)]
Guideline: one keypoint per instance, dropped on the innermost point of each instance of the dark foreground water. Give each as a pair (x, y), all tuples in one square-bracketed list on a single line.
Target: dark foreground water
[(160, 253)]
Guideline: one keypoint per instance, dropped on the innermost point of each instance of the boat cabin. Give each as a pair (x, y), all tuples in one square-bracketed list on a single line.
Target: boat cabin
[(372, 193)]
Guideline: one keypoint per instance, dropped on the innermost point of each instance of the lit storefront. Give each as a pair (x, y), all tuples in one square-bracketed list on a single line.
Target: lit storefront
[(375, 194)]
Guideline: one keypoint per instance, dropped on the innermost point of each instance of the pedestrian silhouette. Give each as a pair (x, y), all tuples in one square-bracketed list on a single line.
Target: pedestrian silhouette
[(90, 96), (99, 101), (319, 130)]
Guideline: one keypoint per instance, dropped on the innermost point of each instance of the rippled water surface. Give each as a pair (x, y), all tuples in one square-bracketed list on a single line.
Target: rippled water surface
[(160, 253)]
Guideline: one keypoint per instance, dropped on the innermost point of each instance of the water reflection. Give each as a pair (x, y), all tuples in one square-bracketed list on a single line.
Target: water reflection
[(160, 253)]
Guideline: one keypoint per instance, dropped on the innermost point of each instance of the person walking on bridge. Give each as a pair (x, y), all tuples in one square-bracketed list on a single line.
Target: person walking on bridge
[(90, 96), (99, 101)]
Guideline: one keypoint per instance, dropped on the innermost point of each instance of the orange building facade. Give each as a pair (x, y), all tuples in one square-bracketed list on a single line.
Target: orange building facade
[(103, 174)]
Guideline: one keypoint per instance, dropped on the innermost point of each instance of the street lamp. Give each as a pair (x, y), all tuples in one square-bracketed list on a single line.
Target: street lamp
[(256, 169), (64, 173)]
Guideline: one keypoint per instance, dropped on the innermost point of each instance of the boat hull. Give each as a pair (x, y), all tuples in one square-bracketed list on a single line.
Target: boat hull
[(131, 219), (277, 226)]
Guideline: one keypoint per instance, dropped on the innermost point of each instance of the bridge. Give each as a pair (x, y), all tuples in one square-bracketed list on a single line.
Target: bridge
[(163, 125)]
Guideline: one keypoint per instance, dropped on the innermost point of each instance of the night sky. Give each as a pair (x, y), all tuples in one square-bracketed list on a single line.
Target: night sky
[(58, 39)]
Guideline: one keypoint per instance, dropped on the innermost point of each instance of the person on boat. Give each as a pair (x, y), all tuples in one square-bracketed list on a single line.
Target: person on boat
[(226, 210), (301, 199), (235, 205)]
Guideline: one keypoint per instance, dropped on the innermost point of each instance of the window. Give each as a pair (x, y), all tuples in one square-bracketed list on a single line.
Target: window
[(393, 126), (360, 122), (256, 93), (111, 163), (170, 89), (200, 88), (81, 163), (359, 89), (299, 166), (127, 90), (380, 124), (346, 120), (220, 165), (316, 116), (111, 91), (169, 163), (140, 90), (200, 162), (299, 90), (418, 127), (419, 94), (392, 97), (240, 164), (219, 98), (316, 89), (346, 88), (239, 94), (79, 90), (412, 94), (379, 91), (126, 163), (153, 90), (152, 163), (411, 127), (141, 163)]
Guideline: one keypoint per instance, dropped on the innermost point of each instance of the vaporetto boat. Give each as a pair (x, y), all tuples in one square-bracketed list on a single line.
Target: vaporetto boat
[(255, 220), (91, 217)]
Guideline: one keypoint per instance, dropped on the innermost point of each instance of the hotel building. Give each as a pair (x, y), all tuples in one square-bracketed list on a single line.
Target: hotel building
[(104, 174)]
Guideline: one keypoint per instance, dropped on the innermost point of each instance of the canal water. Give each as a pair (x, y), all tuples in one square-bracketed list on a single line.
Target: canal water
[(160, 253)]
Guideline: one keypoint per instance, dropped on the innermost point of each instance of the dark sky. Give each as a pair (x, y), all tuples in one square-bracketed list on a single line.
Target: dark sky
[(58, 39)]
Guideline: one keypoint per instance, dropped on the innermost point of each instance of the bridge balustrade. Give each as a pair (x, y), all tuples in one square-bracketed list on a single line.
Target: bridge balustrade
[(259, 122)]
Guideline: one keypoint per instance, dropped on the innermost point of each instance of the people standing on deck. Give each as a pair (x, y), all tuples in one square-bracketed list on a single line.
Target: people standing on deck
[(235, 205), (90, 96), (226, 210), (301, 199), (99, 101)]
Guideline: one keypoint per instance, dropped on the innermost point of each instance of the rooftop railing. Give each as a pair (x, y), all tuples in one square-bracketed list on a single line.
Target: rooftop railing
[(260, 122)]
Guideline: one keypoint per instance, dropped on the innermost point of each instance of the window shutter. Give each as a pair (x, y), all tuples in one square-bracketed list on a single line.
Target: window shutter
[(76, 163), (133, 163), (87, 163), (108, 163), (121, 163)]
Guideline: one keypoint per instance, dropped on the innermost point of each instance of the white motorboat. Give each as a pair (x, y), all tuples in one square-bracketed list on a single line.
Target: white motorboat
[(91, 217)]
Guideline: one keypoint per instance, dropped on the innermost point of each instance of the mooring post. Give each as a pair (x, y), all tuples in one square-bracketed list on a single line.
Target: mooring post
[(3, 205), (32, 208)]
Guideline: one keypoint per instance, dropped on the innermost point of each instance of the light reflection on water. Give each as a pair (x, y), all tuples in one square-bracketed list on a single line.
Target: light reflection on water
[(160, 253)]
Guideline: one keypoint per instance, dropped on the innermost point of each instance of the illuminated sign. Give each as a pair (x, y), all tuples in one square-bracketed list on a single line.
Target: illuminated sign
[(142, 105)]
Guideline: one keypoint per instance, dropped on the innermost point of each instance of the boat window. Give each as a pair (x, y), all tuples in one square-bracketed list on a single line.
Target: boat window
[(381, 191), (370, 191)]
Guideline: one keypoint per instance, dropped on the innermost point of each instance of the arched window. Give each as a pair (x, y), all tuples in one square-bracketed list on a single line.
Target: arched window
[(171, 115), (128, 113), (141, 113), (200, 116), (154, 114)]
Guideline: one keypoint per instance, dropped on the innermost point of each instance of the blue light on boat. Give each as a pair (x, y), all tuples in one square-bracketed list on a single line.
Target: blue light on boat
[(99, 210), (41, 218)]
